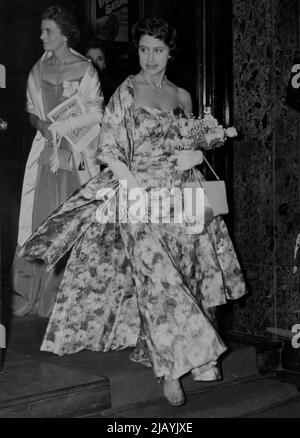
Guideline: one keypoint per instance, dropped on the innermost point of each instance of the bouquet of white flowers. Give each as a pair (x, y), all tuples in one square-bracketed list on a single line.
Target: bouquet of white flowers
[(203, 132)]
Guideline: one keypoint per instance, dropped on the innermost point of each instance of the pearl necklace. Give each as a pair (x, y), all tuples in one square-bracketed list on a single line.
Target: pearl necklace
[(156, 87)]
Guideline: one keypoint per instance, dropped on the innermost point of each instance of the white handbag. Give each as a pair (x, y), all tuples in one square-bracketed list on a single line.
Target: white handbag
[(216, 193)]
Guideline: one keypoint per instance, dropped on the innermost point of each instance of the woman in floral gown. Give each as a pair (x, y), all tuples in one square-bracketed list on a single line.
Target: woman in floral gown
[(147, 285)]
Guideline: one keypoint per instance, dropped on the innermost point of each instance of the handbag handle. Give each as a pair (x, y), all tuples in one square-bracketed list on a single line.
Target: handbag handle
[(204, 159)]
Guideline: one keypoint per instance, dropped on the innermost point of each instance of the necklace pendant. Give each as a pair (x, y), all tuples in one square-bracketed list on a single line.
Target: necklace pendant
[(156, 87)]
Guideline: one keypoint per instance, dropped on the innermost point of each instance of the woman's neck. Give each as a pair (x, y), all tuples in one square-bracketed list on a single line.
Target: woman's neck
[(158, 81), (61, 55)]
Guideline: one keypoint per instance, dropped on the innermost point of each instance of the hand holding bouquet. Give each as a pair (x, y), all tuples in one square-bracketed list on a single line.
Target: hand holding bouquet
[(203, 132)]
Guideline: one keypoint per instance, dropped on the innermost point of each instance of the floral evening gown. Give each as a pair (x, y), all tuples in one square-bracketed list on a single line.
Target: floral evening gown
[(152, 287)]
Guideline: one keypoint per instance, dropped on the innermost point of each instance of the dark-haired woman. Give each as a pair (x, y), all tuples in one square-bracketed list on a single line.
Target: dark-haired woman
[(96, 53), (142, 283), (51, 177)]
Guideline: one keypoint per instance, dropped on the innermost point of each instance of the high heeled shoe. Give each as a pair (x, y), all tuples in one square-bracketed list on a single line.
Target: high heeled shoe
[(173, 392)]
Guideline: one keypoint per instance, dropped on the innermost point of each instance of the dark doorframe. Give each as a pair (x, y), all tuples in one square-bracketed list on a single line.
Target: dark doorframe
[(215, 90), (215, 80)]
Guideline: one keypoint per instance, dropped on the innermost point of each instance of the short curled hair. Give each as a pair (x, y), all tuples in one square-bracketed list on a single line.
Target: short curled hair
[(156, 27), (66, 21)]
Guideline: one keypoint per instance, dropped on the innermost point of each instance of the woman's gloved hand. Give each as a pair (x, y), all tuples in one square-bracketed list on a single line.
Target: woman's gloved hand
[(62, 127), (187, 159), (43, 127)]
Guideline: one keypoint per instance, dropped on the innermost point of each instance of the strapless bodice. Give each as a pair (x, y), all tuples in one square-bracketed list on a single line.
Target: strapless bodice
[(156, 140)]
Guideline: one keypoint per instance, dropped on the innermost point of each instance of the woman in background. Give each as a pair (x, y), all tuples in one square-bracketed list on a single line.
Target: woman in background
[(96, 53), (146, 284), (54, 168)]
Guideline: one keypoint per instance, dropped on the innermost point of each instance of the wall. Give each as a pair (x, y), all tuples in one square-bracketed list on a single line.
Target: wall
[(266, 163)]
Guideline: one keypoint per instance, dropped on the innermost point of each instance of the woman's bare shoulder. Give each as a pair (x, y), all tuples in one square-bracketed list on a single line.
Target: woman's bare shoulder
[(185, 100), (181, 92), (74, 61), (183, 97), (80, 63), (138, 79)]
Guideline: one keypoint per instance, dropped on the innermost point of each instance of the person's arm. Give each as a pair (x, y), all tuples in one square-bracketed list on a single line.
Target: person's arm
[(62, 127), (41, 126), (133, 190), (94, 108), (122, 172), (31, 108), (187, 159), (186, 100), (115, 149)]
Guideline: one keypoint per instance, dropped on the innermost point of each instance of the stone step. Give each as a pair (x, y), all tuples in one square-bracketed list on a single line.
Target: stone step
[(43, 385), (268, 351), (234, 400), (132, 383), (90, 382), (33, 389)]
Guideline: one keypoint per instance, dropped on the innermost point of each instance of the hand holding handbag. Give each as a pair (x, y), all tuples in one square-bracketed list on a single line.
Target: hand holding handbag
[(216, 193), (64, 158)]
